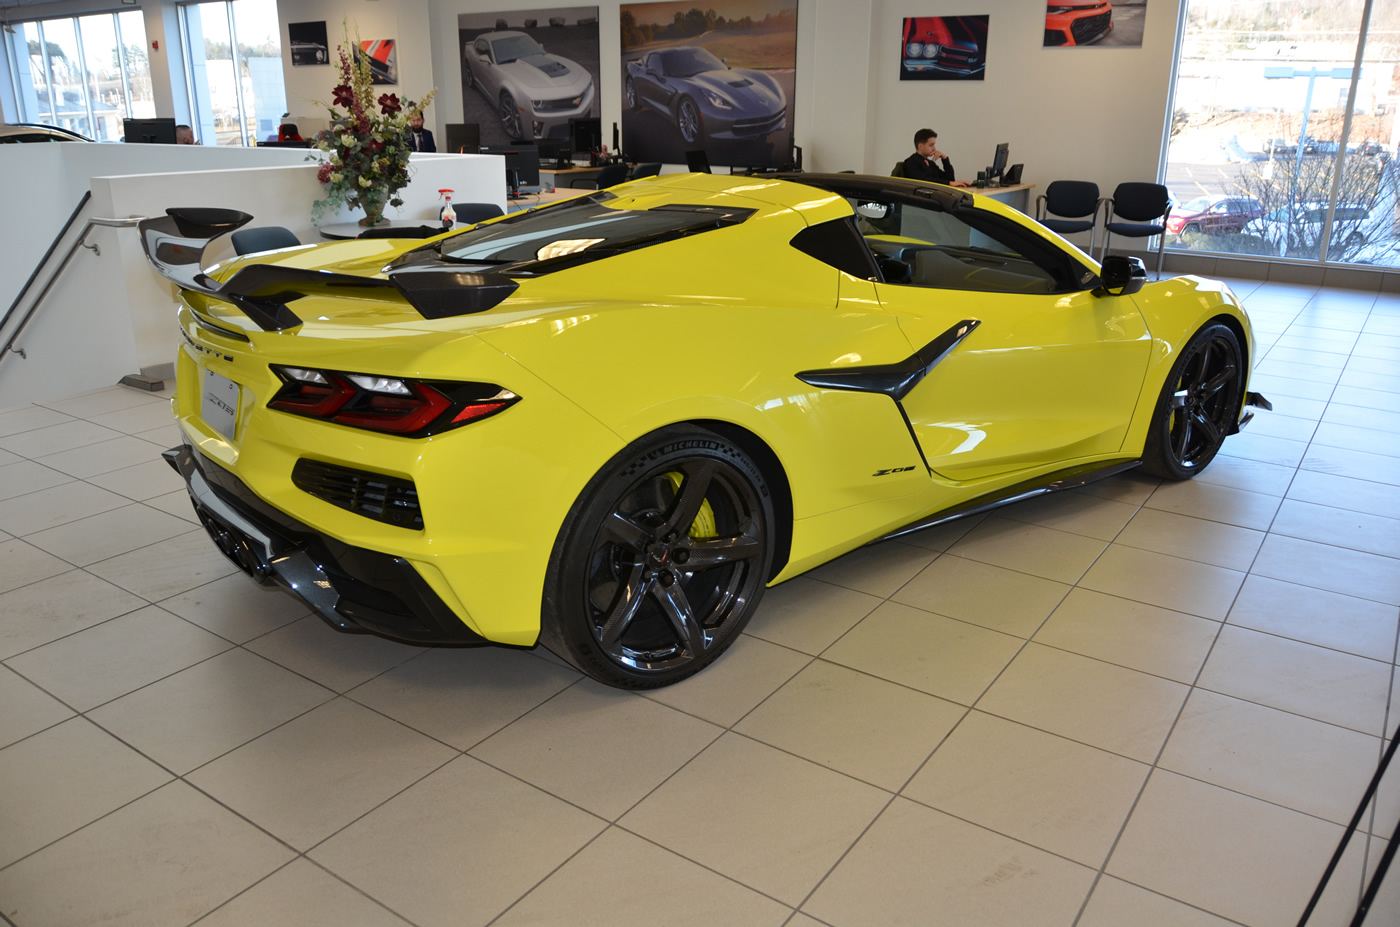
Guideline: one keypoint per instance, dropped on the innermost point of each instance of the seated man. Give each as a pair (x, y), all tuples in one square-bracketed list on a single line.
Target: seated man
[(928, 163)]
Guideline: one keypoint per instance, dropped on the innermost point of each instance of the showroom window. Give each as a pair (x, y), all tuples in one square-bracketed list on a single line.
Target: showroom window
[(85, 73), (1280, 145), (233, 63)]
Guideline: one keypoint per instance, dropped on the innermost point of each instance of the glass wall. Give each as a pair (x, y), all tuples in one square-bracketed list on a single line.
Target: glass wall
[(233, 56), (1280, 145), (84, 73)]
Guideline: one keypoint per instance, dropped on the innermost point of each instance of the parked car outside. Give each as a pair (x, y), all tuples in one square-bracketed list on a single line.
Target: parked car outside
[(1077, 23), (1352, 226), (534, 93), (1214, 215)]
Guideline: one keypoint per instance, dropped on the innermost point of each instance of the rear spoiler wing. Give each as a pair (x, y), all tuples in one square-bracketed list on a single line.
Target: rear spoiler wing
[(175, 244)]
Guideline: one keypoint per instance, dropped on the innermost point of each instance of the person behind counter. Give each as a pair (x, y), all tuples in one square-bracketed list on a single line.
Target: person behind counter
[(928, 163)]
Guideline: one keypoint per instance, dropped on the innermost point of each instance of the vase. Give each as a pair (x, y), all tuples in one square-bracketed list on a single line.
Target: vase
[(372, 201)]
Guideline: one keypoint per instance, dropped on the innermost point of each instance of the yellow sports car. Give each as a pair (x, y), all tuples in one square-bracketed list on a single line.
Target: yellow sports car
[(609, 423)]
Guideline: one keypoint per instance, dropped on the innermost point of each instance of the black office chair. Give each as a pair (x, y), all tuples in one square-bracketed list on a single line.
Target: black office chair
[(403, 231), (697, 161), (265, 238), (1072, 200), (649, 169), (472, 213), (610, 176), (1146, 206), (898, 170)]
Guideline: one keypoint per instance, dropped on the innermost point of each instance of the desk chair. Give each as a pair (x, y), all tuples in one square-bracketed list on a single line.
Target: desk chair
[(697, 161), (1072, 200), (898, 170), (472, 213), (649, 169), (265, 238), (1146, 206), (610, 176)]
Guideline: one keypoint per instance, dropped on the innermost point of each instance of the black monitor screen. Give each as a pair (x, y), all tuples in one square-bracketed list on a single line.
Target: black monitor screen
[(463, 137), (586, 135), (150, 131), (522, 164), (555, 150), (999, 159)]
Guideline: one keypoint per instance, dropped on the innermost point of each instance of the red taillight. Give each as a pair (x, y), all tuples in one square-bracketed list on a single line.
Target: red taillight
[(1174, 225), (389, 404), (396, 413)]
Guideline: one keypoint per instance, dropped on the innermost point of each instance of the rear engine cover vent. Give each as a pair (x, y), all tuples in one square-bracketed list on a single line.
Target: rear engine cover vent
[(388, 499)]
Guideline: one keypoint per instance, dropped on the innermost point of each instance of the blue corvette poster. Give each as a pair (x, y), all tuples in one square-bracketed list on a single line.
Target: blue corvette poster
[(717, 80)]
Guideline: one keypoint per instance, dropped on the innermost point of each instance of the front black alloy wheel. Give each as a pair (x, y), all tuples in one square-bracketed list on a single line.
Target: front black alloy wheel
[(1198, 407), (661, 562)]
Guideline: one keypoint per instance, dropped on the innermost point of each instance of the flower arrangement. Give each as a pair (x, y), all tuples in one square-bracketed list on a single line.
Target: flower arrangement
[(366, 147)]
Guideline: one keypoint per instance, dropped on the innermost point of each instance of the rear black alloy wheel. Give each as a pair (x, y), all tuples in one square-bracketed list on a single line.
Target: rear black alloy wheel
[(1198, 405), (661, 562)]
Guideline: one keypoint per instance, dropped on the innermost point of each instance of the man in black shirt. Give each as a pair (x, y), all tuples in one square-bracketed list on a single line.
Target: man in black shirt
[(419, 138), (928, 163)]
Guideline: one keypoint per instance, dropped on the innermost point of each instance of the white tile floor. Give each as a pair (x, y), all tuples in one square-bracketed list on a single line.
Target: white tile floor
[(1129, 705)]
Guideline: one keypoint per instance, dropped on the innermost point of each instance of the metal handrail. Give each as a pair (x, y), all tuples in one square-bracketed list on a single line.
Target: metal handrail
[(80, 241), (45, 259)]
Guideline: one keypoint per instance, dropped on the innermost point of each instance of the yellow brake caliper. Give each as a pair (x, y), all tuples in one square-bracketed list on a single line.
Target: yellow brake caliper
[(704, 524)]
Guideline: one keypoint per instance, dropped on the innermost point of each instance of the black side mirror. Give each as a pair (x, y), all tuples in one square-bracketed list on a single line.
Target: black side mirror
[(1121, 275)]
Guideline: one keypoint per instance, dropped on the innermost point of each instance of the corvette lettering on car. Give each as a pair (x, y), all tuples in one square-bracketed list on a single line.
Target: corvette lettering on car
[(608, 424)]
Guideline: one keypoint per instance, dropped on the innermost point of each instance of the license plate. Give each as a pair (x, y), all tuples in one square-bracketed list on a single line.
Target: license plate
[(218, 404)]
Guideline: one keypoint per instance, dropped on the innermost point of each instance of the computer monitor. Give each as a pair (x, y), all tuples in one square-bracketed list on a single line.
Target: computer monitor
[(999, 160), (150, 131), (522, 164), (698, 161), (463, 138), (557, 152), (586, 135)]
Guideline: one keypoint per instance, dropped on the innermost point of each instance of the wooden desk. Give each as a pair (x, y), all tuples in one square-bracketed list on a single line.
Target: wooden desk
[(346, 230), (539, 199), (1017, 197)]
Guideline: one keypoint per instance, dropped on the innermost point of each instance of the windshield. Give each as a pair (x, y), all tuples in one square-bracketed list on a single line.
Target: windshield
[(515, 46), (580, 230), (687, 62)]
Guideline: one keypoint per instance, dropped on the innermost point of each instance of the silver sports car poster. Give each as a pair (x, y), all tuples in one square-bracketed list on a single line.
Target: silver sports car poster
[(718, 80), (527, 73)]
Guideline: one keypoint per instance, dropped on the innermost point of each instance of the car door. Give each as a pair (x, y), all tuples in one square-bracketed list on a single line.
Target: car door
[(658, 89), (1047, 371), (484, 69)]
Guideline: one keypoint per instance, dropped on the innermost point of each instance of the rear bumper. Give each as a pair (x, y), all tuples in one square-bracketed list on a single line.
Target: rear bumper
[(352, 588)]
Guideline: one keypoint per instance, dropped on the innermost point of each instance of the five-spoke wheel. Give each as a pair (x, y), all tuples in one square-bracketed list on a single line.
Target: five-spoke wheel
[(1198, 406), (510, 116), (662, 561), (688, 120)]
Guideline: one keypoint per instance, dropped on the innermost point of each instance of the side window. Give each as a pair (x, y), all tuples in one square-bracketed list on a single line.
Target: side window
[(967, 250)]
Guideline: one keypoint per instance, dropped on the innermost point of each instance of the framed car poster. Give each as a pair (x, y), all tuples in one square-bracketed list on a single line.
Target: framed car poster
[(527, 74), (943, 48), (308, 43), (383, 59), (1107, 23), (718, 81)]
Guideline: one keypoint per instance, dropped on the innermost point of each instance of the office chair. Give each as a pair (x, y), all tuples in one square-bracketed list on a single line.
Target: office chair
[(1143, 204), (698, 161), (264, 238), (1073, 200), (649, 169), (403, 231), (609, 176), (472, 213), (898, 170)]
